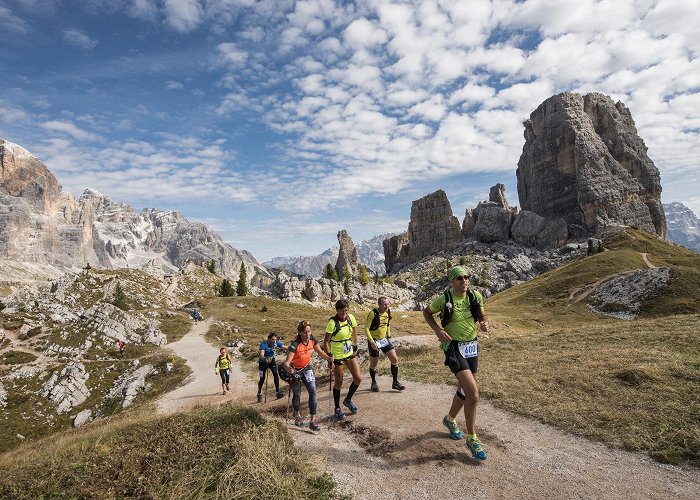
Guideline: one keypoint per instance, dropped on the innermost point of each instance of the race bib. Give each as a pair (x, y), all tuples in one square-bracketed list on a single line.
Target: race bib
[(347, 347), (382, 342), (468, 349), (309, 374)]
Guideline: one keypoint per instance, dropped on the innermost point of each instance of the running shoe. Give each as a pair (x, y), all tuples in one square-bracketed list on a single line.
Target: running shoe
[(452, 426), (374, 387), (313, 425), (350, 406), (227, 387), (474, 445), (259, 398), (280, 394), (398, 386), (339, 414), (299, 421)]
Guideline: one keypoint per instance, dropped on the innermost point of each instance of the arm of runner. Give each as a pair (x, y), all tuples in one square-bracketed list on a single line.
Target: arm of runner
[(320, 352), (288, 363), (439, 331), (485, 324), (326, 342)]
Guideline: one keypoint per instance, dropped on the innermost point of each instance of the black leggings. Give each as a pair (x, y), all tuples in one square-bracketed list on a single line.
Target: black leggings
[(263, 366), (225, 375)]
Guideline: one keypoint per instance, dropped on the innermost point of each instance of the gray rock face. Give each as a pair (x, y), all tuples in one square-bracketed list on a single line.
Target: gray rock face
[(130, 384), (347, 255), (683, 226), (584, 162), (492, 223), (497, 195), (432, 228), (395, 250), (532, 230), (67, 388), (43, 224), (3, 396)]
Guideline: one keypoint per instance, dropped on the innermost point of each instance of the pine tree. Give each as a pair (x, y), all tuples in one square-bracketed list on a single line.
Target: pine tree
[(242, 285), (330, 273), (364, 277), (211, 267), (346, 280), (226, 289), (120, 298)]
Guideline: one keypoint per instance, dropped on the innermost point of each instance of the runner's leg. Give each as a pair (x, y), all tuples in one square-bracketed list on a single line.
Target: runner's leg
[(467, 381)]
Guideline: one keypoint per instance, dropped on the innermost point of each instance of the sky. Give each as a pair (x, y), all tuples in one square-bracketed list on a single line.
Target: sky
[(279, 123)]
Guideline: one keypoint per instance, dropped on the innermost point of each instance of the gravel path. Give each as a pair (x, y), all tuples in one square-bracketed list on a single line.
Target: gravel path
[(397, 448)]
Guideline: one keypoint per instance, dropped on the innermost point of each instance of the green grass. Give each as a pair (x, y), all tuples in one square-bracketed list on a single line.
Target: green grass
[(175, 326), (16, 358), (224, 453)]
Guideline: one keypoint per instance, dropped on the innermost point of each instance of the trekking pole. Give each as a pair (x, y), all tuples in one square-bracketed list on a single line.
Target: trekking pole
[(289, 400), (330, 388), (266, 380)]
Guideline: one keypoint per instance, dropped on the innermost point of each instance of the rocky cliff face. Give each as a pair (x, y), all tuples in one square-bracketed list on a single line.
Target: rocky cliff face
[(584, 162), (683, 226), (432, 228), (347, 255), (39, 223)]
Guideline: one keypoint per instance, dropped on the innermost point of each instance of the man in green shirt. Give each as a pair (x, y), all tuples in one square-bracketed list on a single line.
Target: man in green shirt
[(461, 309)]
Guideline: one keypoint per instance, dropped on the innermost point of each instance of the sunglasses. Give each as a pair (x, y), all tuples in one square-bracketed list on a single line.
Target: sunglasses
[(462, 278)]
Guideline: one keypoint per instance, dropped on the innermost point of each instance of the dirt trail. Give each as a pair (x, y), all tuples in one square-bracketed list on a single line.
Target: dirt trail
[(396, 446)]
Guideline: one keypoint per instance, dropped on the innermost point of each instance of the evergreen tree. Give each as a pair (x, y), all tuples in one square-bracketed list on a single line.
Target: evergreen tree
[(346, 280), (242, 285), (330, 273), (120, 298), (211, 267), (377, 279), (364, 277), (226, 289)]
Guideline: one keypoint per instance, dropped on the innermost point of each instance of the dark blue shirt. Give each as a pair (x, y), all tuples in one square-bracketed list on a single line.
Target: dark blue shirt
[(270, 349)]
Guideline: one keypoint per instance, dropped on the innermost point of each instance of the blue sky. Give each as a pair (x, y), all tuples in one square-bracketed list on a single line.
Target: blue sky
[(278, 123)]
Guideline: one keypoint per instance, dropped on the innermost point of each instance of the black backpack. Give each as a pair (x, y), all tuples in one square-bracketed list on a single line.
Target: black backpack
[(474, 307), (375, 321)]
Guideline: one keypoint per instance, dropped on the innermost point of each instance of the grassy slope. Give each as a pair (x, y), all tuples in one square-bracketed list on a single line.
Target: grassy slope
[(226, 452)]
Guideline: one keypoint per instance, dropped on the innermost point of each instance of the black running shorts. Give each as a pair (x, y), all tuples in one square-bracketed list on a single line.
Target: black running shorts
[(457, 362), (373, 353)]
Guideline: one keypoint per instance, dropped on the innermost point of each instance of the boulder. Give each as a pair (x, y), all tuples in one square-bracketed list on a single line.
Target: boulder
[(82, 418), (492, 223)]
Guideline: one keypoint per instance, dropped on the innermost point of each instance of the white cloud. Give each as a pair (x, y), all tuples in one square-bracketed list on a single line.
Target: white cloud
[(69, 128), (232, 55), (77, 38), (12, 23), (173, 85), (362, 33), (183, 15)]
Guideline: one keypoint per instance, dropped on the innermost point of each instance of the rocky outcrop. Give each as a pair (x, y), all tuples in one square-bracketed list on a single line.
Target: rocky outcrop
[(683, 226), (82, 418), (322, 292), (395, 250), (347, 255), (41, 224), (622, 297), (67, 388), (432, 228), (532, 230), (132, 383), (583, 162)]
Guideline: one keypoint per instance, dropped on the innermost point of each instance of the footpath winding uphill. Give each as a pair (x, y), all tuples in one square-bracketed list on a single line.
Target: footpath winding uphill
[(397, 448)]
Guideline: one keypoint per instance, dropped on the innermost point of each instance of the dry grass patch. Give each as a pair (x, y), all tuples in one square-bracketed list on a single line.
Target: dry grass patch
[(207, 453)]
